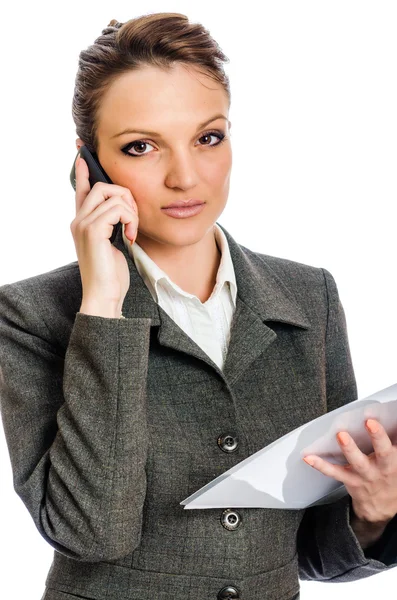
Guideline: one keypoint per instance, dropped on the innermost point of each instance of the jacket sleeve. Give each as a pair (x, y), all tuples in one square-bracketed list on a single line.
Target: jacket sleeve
[(75, 426), (328, 549)]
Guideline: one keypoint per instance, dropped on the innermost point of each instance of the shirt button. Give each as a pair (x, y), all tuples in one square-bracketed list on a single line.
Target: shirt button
[(228, 593), (228, 443), (230, 519)]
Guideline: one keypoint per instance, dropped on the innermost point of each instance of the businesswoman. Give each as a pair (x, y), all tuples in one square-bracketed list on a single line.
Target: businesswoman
[(153, 364)]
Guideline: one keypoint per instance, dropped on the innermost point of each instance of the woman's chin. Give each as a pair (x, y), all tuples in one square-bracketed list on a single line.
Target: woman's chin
[(176, 234)]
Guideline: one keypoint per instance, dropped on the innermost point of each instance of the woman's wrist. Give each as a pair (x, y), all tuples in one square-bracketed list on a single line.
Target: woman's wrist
[(99, 310), (366, 532)]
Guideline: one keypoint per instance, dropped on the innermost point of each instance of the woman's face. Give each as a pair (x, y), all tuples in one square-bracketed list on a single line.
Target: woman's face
[(183, 159)]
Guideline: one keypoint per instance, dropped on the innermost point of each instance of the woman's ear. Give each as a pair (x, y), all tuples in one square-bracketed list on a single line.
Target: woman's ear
[(79, 143)]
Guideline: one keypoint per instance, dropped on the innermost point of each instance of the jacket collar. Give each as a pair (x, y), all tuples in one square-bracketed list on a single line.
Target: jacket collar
[(261, 297)]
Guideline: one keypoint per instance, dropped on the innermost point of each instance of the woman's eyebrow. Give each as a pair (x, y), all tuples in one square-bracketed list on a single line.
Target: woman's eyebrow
[(154, 133)]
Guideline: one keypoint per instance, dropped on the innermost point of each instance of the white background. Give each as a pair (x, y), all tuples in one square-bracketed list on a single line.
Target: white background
[(314, 176)]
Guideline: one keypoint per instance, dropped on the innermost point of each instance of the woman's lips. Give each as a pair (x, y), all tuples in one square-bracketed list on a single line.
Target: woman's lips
[(181, 212)]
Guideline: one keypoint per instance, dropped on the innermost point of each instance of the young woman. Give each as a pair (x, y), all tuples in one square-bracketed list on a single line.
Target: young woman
[(150, 366)]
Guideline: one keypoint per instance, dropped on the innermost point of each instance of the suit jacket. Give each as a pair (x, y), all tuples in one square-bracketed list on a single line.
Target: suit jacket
[(110, 423)]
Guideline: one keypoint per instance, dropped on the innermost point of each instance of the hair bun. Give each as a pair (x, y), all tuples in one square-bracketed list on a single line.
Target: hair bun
[(112, 27), (114, 23)]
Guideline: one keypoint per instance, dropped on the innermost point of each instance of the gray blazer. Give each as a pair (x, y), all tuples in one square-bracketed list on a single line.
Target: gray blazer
[(110, 423)]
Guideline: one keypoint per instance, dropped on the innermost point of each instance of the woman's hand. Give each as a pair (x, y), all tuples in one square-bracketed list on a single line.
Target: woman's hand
[(370, 480), (104, 270)]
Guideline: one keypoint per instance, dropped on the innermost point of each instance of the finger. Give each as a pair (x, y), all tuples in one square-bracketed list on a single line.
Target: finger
[(111, 215), (359, 462), (338, 472), (383, 447), (104, 191), (103, 207), (82, 182)]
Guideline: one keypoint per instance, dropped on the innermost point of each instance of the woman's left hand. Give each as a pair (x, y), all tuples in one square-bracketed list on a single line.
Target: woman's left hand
[(370, 480)]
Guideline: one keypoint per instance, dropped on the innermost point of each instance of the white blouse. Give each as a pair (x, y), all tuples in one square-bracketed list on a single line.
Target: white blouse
[(208, 323)]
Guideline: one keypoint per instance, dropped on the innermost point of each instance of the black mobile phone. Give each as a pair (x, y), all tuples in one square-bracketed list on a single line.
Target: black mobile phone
[(96, 173)]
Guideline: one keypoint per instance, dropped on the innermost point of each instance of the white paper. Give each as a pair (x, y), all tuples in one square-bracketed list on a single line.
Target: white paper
[(277, 477)]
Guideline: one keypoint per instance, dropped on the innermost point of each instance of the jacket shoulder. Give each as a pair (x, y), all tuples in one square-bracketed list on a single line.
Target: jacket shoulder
[(53, 298), (307, 284), (64, 281), (286, 265), (291, 272)]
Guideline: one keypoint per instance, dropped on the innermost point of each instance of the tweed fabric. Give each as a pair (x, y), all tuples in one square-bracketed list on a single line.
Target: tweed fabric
[(110, 423)]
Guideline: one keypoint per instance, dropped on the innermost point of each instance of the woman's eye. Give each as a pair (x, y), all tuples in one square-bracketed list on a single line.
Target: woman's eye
[(140, 145), (210, 135)]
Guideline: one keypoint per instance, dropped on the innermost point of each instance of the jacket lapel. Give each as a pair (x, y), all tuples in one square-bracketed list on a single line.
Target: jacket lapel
[(261, 297)]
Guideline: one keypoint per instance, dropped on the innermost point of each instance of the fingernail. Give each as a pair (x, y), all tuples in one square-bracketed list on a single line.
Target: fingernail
[(343, 438), (309, 461), (372, 426)]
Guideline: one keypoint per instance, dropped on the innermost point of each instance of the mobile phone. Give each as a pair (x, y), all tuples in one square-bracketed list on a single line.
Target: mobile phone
[(96, 173)]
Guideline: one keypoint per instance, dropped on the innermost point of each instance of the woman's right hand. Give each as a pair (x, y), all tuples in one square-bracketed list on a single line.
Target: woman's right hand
[(104, 270)]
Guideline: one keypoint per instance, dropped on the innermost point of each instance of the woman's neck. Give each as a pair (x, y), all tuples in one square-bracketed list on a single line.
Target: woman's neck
[(193, 268)]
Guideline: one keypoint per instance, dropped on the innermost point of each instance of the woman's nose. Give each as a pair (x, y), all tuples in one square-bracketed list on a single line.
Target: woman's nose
[(181, 171)]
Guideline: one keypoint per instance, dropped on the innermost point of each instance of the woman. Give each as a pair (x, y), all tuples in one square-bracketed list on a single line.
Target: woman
[(113, 419)]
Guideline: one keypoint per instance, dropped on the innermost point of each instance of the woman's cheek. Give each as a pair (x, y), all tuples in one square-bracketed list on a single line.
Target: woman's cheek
[(218, 171)]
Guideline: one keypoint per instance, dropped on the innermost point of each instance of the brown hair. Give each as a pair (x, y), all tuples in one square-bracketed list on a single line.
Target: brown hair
[(159, 40)]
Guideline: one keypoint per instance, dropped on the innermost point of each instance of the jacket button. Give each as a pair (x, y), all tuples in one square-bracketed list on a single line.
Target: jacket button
[(227, 442), (228, 593), (230, 519)]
